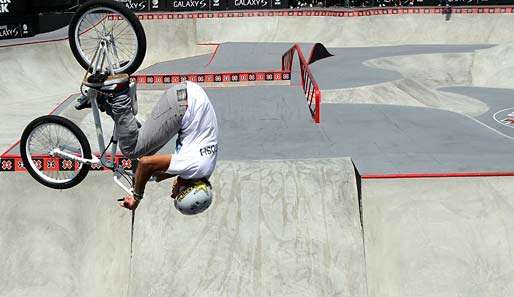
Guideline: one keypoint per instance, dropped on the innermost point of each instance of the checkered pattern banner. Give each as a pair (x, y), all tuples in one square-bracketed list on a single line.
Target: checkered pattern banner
[(358, 12), (47, 163), (206, 78)]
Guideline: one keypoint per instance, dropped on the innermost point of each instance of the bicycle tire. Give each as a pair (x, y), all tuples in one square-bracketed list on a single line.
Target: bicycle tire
[(75, 130), (122, 10)]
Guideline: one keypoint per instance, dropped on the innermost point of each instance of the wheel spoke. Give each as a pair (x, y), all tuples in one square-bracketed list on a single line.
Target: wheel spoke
[(114, 25), (117, 31), (92, 26), (124, 52), (49, 136)]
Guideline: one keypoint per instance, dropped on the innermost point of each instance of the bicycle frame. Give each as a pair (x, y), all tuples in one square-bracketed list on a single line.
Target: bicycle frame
[(103, 160), (102, 54), (103, 51), (109, 162)]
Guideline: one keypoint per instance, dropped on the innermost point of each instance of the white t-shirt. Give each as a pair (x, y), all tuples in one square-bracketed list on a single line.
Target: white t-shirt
[(197, 141)]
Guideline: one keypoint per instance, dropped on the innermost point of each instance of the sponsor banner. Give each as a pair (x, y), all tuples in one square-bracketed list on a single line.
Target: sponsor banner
[(218, 4), (280, 4), (13, 7), (157, 5), (16, 30), (7, 164), (47, 163), (331, 13), (207, 78), (137, 5), (249, 4), (188, 5), (201, 5)]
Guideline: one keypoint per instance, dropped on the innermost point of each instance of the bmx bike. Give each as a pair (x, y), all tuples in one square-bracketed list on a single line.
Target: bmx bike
[(108, 41)]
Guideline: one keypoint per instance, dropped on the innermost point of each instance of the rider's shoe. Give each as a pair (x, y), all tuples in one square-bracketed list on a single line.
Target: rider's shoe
[(82, 103)]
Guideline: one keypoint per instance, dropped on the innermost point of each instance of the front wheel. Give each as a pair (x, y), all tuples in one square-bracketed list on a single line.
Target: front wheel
[(38, 143), (113, 25)]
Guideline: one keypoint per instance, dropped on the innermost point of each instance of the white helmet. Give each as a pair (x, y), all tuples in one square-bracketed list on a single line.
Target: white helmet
[(194, 198)]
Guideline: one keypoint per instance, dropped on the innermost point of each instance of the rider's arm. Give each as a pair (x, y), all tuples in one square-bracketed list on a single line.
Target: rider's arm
[(146, 167)]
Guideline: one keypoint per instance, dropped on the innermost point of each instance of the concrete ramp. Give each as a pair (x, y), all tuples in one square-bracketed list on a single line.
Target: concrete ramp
[(439, 237), (277, 228), (63, 243), (391, 29)]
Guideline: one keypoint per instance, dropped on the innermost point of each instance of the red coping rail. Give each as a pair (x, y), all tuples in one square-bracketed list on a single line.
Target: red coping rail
[(437, 175), (309, 84)]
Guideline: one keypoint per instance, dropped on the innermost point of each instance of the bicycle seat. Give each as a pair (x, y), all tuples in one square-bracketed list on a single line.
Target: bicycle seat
[(108, 83)]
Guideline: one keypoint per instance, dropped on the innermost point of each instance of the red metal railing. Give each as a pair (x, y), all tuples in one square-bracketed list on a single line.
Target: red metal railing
[(309, 84)]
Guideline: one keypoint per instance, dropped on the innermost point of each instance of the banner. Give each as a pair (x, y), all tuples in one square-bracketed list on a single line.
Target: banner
[(200, 5), (13, 7), (249, 4), (280, 4), (18, 29), (218, 4), (135, 5), (188, 5), (157, 5)]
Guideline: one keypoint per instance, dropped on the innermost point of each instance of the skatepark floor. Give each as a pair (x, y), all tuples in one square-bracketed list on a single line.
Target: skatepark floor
[(301, 209)]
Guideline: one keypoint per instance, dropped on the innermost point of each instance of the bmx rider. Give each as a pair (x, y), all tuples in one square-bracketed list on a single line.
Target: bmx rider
[(183, 110)]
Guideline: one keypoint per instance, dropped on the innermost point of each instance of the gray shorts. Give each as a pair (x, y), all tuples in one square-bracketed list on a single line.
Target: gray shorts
[(161, 125)]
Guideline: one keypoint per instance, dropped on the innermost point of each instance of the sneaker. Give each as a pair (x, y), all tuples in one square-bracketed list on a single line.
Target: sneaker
[(82, 103)]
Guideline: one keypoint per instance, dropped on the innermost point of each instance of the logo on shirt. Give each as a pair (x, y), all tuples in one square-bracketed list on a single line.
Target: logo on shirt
[(208, 150), (182, 100), (181, 95)]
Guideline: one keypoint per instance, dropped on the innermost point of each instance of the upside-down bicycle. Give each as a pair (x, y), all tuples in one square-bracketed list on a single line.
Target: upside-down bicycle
[(109, 42)]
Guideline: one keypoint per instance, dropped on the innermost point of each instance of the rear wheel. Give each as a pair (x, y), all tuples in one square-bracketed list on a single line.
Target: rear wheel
[(38, 141), (111, 23)]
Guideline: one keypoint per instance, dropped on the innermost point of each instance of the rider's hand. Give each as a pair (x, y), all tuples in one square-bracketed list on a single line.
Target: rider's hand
[(129, 202), (176, 187)]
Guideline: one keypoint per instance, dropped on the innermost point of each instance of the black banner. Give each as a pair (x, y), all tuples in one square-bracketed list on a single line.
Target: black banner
[(201, 5), (52, 5), (218, 4), (249, 4), (188, 5), (136, 5), (157, 5), (280, 4), (13, 7), (12, 30)]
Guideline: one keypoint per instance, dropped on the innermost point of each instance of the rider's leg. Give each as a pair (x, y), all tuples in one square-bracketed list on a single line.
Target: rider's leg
[(160, 126)]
